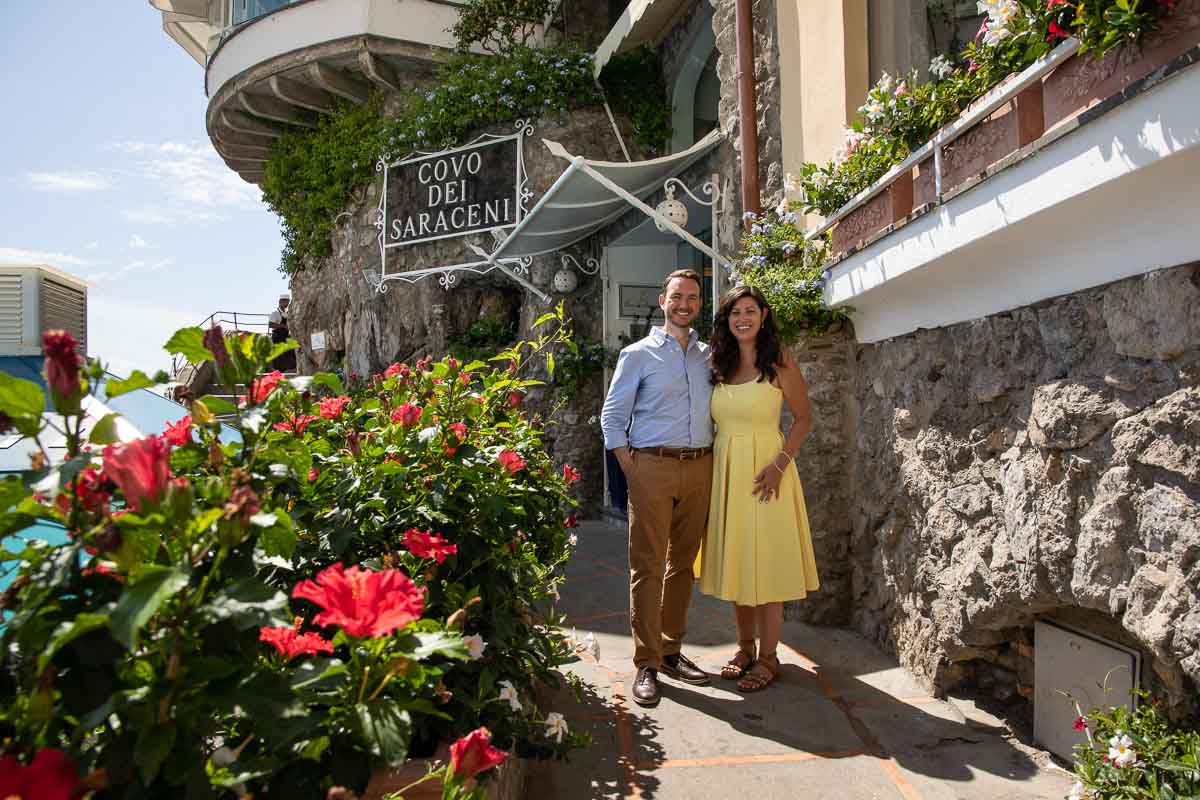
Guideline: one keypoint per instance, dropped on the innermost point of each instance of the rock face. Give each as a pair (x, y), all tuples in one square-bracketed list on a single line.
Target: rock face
[(1042, 462), (366, 330)]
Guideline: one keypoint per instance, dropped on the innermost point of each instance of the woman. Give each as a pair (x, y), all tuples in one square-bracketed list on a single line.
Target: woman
[(758, 552)]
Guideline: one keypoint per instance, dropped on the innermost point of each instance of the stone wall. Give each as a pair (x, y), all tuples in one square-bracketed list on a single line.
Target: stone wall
[(1043, 462), (367, 330)]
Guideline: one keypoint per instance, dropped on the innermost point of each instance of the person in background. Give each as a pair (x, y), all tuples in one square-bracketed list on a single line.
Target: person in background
[(656, 423), (278, 324), (758, 550)]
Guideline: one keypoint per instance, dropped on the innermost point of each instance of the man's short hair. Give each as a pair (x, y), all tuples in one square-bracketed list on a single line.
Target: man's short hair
[(690, 274)]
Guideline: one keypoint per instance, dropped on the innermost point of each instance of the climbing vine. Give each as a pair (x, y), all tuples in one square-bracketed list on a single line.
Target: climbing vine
[(311, 175)]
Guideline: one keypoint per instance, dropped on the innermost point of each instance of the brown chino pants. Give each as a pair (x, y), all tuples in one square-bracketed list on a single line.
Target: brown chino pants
[(668, 513)]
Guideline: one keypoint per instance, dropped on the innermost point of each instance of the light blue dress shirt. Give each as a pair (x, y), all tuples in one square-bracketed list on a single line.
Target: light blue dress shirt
[(659, 395)]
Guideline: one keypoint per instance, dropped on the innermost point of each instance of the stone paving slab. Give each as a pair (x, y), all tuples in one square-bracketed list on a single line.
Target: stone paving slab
[(843, 720)]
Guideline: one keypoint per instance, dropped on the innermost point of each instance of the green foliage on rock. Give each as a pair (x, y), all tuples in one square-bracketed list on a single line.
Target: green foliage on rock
[(499, 26), (312, 175)]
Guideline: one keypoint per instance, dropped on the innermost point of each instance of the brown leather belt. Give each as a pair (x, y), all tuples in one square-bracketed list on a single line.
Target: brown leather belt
[(681, 453)]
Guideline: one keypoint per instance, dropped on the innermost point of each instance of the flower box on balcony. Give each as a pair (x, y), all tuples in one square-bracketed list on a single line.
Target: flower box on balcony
[(1076, 85)]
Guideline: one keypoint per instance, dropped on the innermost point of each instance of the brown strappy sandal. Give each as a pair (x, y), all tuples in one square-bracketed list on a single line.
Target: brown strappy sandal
[(761, 675), (742, 660)]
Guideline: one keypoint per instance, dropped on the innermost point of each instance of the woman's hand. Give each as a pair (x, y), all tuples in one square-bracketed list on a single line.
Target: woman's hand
[(766, 482)]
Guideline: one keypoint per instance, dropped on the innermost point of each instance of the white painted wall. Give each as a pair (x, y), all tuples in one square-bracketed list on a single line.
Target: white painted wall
[(318, 21), (1118, 197)]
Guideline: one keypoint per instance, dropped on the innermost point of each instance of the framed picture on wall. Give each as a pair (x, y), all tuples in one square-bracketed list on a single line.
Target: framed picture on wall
[(637, 301)]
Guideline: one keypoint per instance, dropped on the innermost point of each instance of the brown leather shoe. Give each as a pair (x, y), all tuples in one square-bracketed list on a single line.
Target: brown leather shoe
[(645, 687), (681, 668)]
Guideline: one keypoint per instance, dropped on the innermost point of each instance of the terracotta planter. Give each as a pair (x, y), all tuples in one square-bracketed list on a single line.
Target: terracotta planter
[(890, 205), (1083, 82), (507, 784)]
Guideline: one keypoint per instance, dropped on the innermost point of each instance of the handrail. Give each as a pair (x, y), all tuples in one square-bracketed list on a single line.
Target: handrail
[(235, 318), (991, 101)]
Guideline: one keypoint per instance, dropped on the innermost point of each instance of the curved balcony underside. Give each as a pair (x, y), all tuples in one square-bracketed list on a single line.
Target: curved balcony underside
[(286, 69)]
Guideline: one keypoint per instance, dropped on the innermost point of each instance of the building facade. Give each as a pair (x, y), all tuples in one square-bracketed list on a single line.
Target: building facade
[(1006, 434)]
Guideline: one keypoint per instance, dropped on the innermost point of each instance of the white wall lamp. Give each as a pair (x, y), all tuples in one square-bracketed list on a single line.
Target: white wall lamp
[(565, 280)]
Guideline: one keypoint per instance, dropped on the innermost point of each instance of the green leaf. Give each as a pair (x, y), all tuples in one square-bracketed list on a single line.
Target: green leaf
[(281, 348), (440, 643), (154, 744), (550, 364), (12, 491), (142, 599), (67, 632), (249, 603), (384, 729), (189, 343), (1123, 4), (543, 319), (217, 405), (330, 381), (115, 387), (105, 431), (280, 538), (318, 673), (21, 399)]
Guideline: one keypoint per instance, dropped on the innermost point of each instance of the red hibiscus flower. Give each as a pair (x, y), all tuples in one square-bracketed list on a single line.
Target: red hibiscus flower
[(361, 602), (515, 399), (1053, 4), (511, 461), (460, 430), (570, 474), (407, 415), (140, 469), (295, 425), (50, 776), (262, 387), (425, 544), (89, 487), (291, 642), (571, 522), (465, 379), (312, 473), (473, 754), (332, 407), (393, 370), (1057, 32), (62, 364), (1080, 724), (179, 433)]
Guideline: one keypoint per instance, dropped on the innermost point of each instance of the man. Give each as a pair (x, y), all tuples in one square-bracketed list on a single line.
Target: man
[(656, 422), (278, 325)]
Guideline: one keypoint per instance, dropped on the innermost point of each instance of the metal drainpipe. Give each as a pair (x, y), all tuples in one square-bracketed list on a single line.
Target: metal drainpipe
[(747, 107)]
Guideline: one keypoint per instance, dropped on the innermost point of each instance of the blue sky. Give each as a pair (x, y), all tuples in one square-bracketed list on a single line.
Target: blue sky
[(106, 172)]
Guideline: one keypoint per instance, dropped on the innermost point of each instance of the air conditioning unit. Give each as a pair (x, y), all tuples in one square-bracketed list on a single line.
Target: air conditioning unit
[(37, 298)]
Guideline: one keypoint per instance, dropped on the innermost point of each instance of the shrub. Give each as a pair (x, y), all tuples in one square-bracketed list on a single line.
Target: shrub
[(282, 614)]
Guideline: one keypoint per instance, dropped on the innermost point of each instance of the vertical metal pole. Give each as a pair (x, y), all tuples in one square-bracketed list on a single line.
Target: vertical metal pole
[(937, 169), (718, 196)]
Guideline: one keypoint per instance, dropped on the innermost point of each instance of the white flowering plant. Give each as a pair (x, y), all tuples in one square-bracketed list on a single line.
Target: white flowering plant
[(1135, 754), (788, 269)]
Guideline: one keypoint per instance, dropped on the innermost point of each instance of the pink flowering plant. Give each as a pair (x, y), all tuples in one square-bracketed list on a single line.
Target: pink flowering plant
[(1135, 754), (279, 609), (901, 113)]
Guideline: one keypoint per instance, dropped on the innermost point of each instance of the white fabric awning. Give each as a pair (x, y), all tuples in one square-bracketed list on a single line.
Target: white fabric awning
[(592, 194), (643, 22)]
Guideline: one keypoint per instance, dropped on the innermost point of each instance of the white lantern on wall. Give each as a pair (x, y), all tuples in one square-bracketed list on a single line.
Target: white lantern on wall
[(565, 281), (670, 210)]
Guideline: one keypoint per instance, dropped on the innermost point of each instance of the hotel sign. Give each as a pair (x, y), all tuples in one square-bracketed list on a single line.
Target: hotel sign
[(471, 189)]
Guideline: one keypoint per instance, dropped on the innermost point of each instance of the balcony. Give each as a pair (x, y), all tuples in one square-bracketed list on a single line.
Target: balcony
[(275, 65), (1071, 175)]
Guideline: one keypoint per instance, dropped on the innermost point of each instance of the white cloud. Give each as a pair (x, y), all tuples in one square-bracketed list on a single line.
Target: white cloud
[(15, 255), (167, 216), (136, 242), (193, 178), (65, 181), (130, 268)]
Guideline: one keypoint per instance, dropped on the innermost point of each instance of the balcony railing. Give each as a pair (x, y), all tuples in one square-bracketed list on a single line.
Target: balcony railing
[(245, 10)]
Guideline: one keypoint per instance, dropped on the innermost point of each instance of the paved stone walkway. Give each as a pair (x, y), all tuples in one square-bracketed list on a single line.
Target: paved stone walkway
[(843, 720)]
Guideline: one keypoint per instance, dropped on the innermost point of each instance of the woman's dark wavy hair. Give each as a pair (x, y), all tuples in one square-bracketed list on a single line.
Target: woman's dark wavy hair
[(725, 353)]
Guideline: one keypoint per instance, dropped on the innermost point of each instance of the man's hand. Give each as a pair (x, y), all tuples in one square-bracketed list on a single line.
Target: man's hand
[(625, 459)]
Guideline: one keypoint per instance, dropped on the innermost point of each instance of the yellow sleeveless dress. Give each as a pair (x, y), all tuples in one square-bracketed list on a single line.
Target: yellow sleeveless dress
[(754, 553)]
